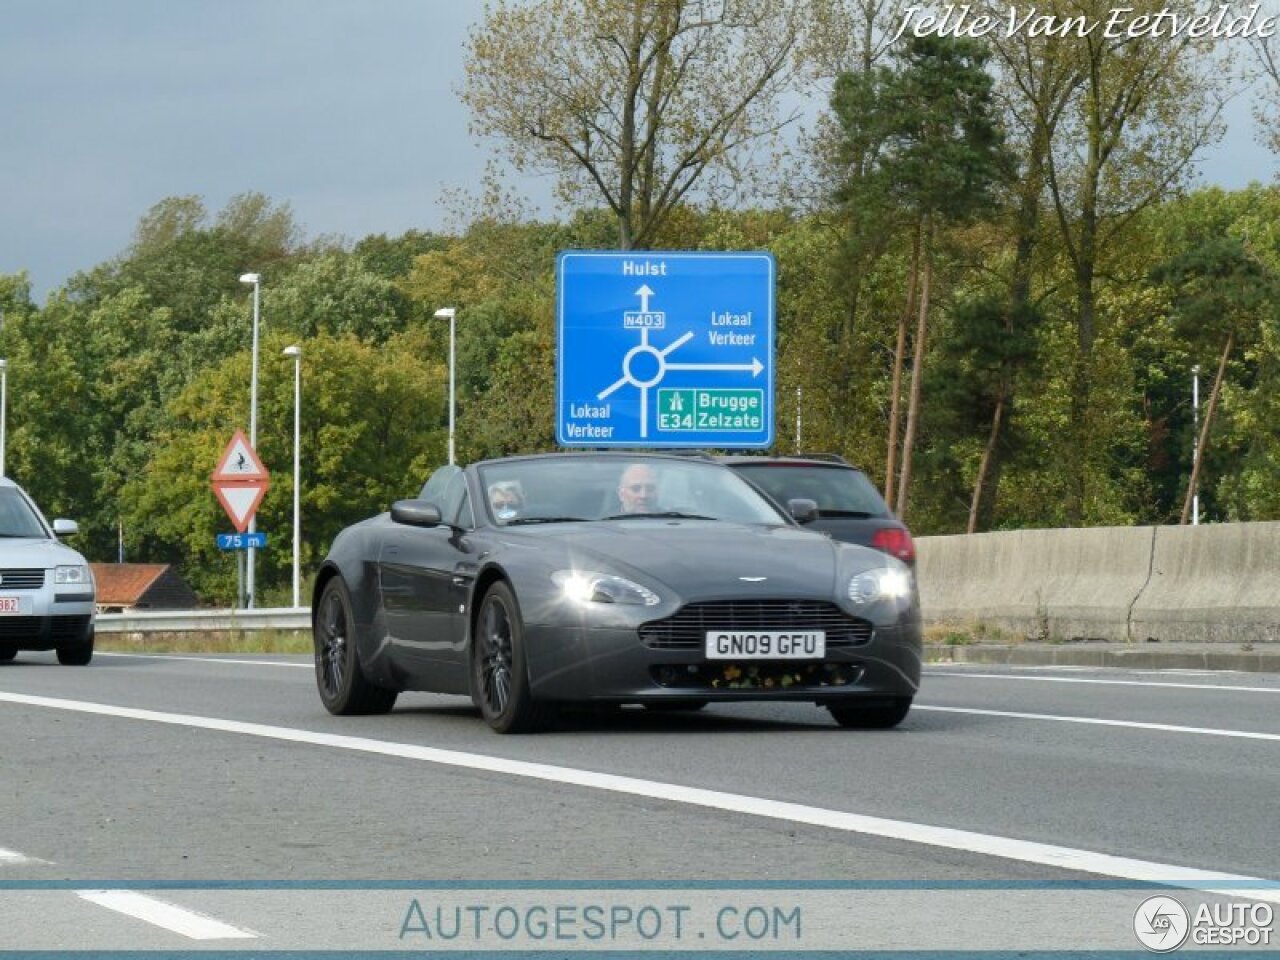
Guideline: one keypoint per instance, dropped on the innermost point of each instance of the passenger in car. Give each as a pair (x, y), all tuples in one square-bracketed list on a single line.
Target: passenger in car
[(507, 499)]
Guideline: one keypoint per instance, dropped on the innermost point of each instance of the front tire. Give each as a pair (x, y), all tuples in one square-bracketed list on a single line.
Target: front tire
[(343, 687), (79, 654), (499, 668), (7, 655), (873, 716)]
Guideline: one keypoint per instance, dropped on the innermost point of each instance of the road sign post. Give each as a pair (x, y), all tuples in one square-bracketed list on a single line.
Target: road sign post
[(240, 481), (664, 349)]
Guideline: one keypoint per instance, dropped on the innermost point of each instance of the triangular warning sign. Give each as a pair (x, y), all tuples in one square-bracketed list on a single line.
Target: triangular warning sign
[(239, 461), (240, 500)]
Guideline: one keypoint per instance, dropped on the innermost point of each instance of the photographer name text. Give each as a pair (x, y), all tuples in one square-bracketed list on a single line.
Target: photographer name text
[(960, 20)]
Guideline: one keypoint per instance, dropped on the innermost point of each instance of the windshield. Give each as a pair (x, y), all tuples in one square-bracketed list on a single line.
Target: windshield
[(836, 490), (17, 519), (611, 487)]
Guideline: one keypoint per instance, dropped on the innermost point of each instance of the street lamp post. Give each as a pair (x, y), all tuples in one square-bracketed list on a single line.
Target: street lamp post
[(1195, 452), (450, 314), (4, 388), (256, 280), (295, 351)]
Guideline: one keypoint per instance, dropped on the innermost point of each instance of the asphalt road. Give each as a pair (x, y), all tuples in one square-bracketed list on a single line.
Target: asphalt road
[(146, 772)]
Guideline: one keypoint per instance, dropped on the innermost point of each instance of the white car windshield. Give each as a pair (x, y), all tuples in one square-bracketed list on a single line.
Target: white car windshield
[(17, 519), (610, 487)]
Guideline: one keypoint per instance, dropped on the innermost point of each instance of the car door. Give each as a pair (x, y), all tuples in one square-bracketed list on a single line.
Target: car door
[(424, 576)]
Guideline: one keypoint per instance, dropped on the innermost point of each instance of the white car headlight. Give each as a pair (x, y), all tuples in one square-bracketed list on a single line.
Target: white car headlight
[(71, 574), (585, 587), (883, 583)]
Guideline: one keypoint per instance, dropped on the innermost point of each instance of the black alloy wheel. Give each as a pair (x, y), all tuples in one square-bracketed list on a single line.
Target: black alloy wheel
[(343, 687), (500, 674), (879, 715)]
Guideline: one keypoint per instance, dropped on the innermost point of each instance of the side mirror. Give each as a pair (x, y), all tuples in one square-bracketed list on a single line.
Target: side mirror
[(802, 510), (415, 513), (65, 528)]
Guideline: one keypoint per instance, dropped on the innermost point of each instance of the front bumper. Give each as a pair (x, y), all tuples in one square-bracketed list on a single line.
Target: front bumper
[(578, 663), (51, 620)]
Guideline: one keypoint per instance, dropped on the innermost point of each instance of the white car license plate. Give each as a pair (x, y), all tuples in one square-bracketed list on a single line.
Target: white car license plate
[(766, 644), (12, 605)]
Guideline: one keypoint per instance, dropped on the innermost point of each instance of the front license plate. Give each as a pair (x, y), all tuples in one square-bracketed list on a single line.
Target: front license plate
[(11, 605), (766, 644)]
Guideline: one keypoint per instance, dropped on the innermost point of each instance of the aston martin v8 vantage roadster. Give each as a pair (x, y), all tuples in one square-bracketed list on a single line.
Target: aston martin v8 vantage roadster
[(531, 583)]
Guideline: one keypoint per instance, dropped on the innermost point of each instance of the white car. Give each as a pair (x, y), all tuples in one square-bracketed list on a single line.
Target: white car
[(46, 588)]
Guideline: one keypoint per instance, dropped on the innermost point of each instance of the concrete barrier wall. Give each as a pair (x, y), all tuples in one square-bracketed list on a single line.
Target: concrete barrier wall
[(1215, 582)]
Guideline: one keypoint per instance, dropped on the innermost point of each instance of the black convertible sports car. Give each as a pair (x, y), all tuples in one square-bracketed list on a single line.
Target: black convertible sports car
[(533, 582)]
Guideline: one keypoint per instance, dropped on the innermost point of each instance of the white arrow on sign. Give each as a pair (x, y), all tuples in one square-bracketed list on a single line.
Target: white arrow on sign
[(644, 293), (755, 366)]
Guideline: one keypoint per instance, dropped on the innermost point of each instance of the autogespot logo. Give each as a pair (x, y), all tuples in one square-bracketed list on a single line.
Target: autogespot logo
[(1161, 924)]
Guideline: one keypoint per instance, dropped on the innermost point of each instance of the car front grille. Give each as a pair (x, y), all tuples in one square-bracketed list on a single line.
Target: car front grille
[(61, 629), (687, 628), (22, 578)]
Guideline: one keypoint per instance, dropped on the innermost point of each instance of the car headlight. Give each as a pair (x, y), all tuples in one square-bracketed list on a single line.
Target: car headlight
[(71, 574), (883, 583), (585, 587)]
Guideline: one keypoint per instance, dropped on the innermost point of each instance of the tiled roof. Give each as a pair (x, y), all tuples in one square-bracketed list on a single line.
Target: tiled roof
[(123, 584)]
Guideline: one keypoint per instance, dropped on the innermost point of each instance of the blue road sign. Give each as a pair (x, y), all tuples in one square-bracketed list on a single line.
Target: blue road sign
[(242, 541), (661, 348)]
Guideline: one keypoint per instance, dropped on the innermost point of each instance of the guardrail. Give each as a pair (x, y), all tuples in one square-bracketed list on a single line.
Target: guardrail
[(194, 621)]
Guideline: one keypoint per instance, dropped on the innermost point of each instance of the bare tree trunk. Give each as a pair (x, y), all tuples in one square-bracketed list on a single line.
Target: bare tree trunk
[(899, 353), (1203, 440), (917, 371), (984, 464)]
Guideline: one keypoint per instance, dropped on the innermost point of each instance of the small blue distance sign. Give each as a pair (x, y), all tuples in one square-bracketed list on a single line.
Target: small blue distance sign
[(662, 348), (242, 541)]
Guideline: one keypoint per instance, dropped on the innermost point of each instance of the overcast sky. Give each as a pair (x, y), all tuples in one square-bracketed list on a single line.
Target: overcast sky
[(345, 109)]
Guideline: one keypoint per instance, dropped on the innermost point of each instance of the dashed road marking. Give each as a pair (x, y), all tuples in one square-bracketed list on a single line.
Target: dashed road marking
[(173, 656), (1096, 721), (12, 858), (188, 923), (1110, 683)]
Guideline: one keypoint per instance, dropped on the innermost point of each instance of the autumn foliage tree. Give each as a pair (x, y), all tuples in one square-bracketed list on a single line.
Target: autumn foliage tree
[(634, 103)]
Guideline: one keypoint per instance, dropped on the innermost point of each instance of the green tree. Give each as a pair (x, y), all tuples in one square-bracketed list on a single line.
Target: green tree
[(1145, 107), (370, 435), (1222, 293), (939, 155), (632, 102)]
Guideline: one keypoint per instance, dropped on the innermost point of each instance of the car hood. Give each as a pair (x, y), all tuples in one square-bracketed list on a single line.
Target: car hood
[(702, 558), (35, 552)]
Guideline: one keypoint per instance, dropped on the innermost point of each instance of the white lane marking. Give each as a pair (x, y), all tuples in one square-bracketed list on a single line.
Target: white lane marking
[(1112, 683), (1095, 721), (173, 656), (1064, 858), (12, 858), (188, 923)]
